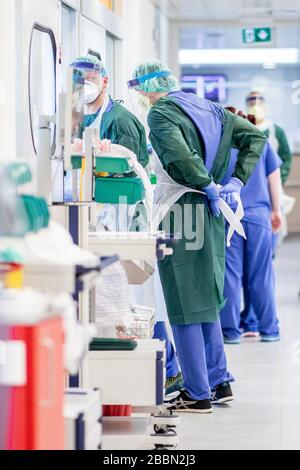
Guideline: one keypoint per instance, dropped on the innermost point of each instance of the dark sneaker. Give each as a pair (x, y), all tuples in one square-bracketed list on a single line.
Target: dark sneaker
[(222, 394), (184, 404), (174, 384)]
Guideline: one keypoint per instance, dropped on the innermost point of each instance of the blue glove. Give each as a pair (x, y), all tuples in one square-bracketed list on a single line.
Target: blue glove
[(231, 199), (213, 193), (232, 190)]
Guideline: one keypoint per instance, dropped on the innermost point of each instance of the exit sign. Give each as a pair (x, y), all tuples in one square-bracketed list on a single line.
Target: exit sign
[(257, 35)]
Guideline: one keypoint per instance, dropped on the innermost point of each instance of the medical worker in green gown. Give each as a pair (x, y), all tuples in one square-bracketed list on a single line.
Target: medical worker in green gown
[(193, 139), (257, 106), (114, 122)]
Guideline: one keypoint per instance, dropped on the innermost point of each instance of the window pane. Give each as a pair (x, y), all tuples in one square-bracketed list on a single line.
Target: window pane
[(110, 63), (69, 47), (42, 91)]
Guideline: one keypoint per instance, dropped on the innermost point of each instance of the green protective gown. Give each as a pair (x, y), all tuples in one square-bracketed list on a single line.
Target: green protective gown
[(284, 152), (122, 128), (193, 281)]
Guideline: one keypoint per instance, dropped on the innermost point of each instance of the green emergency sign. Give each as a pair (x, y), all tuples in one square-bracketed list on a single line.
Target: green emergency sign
[(257, 35)]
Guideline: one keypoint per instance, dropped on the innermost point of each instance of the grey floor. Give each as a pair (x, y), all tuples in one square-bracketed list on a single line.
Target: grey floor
[(266, 413)]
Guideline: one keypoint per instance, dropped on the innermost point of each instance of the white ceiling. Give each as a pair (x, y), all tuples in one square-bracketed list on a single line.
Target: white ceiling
[(230, 10)]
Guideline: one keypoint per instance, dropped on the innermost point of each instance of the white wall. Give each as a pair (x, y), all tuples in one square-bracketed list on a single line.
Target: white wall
[(139, 39), (165, 31), (7, 81)]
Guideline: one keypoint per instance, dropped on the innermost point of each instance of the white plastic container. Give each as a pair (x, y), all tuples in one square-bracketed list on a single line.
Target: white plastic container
[(113, 326)]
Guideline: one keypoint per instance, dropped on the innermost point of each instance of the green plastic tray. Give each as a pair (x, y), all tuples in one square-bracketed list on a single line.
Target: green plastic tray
[(113, 345), (110, 190), (76, 161), (37, 212), (112, 165)]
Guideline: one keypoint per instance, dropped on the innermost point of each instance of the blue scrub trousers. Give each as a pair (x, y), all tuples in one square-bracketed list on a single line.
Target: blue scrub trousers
[(275, 244), (254, 259), (249, 321), (161, 332), (201, 354)]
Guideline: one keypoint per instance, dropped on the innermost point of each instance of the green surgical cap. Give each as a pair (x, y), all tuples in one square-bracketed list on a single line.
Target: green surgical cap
[(162, 84), (90, 60)]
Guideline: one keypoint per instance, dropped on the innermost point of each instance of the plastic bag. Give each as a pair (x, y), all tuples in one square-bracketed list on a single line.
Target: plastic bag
[(168, 192), (287, 204)]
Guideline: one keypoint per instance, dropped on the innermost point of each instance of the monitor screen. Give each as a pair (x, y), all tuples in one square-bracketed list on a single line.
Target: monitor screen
[(210, 87)]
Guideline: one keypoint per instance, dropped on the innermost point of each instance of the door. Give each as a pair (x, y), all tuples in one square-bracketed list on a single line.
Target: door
[(38, 34)]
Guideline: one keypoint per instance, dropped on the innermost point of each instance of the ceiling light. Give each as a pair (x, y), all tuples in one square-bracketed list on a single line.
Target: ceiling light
[(252, 56), (269, 66)]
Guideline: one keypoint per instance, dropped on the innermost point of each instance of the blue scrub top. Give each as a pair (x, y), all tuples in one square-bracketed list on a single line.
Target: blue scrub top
[(208, 119), (89, 119), (255, 195)]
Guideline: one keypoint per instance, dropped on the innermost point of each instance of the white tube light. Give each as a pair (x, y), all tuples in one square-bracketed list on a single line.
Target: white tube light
[(245, 56), (269, 66)]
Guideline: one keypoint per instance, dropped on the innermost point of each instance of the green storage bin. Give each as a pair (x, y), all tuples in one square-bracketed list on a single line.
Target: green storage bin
[(112, 165), (109, 190), (76, 161), (37, 212)]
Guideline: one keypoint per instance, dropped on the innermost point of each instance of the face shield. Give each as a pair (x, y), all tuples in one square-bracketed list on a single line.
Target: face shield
[(139, 88), (140, 81), (93, 81)]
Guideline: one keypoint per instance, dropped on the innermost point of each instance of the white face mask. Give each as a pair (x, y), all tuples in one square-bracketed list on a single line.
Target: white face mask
[(258, 111), (91, 92), (144, 103)]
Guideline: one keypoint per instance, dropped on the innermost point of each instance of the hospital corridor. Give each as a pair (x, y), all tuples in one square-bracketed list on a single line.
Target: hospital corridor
[(149, 230), (267, 412)]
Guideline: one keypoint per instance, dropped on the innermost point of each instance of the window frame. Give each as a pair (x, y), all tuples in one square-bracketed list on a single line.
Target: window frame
[(43, 29)]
